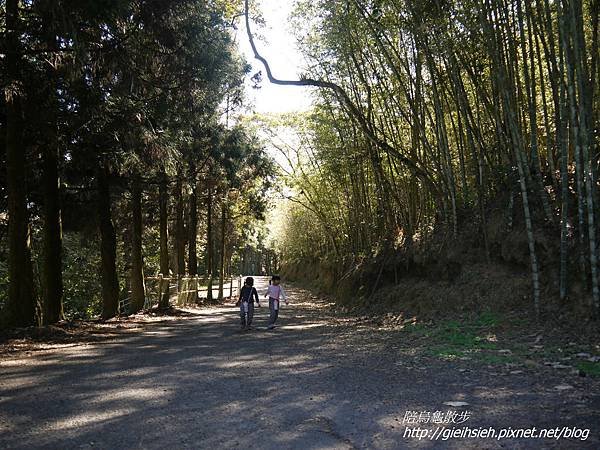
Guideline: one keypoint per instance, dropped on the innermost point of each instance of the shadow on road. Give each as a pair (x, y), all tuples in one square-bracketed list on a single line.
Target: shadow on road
[(313, 383)]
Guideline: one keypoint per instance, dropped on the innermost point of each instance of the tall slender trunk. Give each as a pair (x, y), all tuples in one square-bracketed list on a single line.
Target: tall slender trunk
[(582, 79), (442, 132), (476, 156), (192, 237), (193, 231), (52, 231), (222, 252), (108, 247), (21, 305), (521, 166), (530, 88), (574, 137), (163, 195), (209, 243), (594, 97), (564, 212), (553, 63), (179, 228), (550, 153), (52, 270), (504, 69), (137, 262)]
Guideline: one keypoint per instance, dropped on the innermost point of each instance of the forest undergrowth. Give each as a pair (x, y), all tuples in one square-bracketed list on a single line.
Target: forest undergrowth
[(446, 290)]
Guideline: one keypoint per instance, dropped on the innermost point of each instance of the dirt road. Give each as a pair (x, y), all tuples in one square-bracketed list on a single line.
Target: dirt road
[(316, 382)]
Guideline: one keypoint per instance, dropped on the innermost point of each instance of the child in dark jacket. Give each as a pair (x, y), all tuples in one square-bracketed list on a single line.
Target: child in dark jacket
[(246, 302)]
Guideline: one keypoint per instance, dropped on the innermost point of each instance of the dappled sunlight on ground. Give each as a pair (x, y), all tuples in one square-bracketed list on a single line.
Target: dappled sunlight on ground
[(84, 419), (316, 381), (304, 326)]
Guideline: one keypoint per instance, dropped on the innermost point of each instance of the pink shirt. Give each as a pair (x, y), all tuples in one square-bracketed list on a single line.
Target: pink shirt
[(275, 292)]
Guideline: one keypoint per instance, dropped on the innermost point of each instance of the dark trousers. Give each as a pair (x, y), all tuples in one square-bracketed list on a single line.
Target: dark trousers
[(250, 313), (274, 312)]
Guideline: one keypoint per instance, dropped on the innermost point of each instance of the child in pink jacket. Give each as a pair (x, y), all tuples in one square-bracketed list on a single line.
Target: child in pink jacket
[(275, 293)]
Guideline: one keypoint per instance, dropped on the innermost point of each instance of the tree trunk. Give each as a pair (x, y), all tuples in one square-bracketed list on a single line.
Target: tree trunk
[(522, 167), (582, 81), (52, 271), (504, 70), (209, 243), (222, 255), (137, 263), (52, 261), (179, 228), (564, 212), (108, 248), (21, 305), (164, 239), (192, 232), (530, 88), (574, 137)]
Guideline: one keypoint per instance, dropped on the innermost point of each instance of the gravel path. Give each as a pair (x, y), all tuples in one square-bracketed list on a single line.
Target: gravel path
[(316, 382)]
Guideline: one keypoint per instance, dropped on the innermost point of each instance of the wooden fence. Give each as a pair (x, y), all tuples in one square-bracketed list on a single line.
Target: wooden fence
[(182, 290), (188, 290)]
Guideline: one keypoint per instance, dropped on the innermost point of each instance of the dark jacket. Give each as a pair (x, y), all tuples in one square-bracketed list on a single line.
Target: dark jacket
[(247, 293)]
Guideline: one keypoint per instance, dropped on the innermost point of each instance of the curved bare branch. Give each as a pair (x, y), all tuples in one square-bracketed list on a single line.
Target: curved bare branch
[(354, 111)]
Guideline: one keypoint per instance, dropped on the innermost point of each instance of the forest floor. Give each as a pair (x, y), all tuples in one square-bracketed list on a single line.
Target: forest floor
[(192, 379)]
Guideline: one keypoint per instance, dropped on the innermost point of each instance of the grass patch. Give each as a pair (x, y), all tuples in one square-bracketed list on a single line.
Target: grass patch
[(590, 368), (487, 319), (446, 352), (481, 338), (470, 338), (495, 360)]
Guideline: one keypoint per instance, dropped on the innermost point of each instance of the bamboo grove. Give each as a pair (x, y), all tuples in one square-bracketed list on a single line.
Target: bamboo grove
[(435, 115), (121, 154)]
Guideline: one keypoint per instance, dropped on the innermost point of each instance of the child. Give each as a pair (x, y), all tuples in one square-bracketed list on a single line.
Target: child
[(246, 302), (274, 292)]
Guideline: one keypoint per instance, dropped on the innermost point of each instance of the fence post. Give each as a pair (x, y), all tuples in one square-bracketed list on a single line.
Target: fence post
[(231, 287), (160, 288), (146, 290), (192, 292)]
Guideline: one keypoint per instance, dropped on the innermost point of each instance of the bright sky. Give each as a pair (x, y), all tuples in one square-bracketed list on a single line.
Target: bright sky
[(278, 46)]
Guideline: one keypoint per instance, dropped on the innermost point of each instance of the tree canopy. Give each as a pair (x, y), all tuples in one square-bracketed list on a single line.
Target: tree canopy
[(444, 123), (119, 148), (443, 133)]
